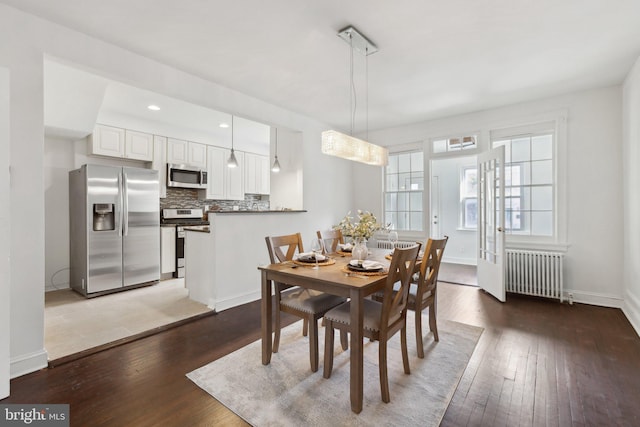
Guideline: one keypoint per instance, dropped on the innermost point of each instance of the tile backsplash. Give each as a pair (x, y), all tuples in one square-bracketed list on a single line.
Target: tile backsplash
[(188, 198)]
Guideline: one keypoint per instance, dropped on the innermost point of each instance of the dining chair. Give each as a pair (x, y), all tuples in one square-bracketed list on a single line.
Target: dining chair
[(307, 304), (423, 290), (381, 320), (331, 239)]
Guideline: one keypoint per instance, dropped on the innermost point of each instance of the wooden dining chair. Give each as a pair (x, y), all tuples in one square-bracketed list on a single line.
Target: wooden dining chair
[(381, 319), (307, 304), (331, 239), (423, 290)]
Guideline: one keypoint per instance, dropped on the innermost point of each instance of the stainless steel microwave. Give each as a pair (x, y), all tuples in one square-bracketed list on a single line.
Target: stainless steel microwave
[(185, 176)]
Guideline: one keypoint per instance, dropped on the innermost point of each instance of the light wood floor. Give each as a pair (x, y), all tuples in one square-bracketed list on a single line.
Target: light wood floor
[(537, 363), (74, 323)]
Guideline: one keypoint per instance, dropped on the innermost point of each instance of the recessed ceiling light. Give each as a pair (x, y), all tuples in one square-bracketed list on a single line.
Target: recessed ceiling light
[(153, 107), (224, 125)]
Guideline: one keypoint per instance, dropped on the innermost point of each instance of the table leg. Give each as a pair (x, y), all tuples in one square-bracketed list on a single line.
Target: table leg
[(266, 319), (356, 364)]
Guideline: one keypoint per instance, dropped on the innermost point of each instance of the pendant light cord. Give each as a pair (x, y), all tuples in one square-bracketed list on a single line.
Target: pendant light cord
[(353, 100)]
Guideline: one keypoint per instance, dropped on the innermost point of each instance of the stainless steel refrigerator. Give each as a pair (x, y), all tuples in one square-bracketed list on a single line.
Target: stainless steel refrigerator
[(114, 217)]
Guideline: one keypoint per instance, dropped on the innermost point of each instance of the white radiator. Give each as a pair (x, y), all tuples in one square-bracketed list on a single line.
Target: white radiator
[(535, 273), (385, 244)]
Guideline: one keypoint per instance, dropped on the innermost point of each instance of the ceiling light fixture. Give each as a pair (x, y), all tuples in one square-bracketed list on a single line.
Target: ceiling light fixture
[(153, 107), (224, 125), (232, 162), (276, 164), (348, 147)]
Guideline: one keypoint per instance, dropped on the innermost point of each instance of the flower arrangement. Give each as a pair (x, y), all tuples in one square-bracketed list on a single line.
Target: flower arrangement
[(365, 227)]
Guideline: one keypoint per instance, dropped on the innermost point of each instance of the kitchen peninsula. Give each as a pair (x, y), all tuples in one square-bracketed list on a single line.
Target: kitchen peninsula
[(221, 266)]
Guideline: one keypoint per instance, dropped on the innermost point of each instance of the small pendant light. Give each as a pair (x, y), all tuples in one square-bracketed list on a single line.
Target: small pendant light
[(276, 164), (232, 162)]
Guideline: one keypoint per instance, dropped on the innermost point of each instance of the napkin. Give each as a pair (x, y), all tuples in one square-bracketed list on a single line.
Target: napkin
[(366, 264), (306, 256), (345, 246)]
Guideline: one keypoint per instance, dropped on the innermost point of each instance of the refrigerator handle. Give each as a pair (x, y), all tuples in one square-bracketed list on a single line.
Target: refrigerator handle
[(121, 207), (125, 204)]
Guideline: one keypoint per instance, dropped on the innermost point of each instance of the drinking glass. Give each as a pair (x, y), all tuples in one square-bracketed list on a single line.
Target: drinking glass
[(317, 247), (393, 238)]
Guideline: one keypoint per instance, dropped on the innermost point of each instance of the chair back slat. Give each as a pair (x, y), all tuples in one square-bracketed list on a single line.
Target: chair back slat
[(283, 248), (331, 238), (394, 304), (431, 265)]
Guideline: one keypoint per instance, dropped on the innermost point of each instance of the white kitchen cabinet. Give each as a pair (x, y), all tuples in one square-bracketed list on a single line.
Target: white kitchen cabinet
[(138, 145), (256, 174), (224, 183), (116, 142), (159, 162), (186, 153), (107, 141), (167, 249)]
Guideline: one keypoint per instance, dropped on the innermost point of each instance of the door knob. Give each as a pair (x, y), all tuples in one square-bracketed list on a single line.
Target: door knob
[(500, 229)]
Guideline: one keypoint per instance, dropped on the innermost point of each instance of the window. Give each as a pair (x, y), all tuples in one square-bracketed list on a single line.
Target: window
[(403, 191), (445, 145), (529, 182), (469, 198)]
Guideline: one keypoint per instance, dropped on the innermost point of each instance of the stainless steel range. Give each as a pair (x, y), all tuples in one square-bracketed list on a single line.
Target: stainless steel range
[(182, 218)]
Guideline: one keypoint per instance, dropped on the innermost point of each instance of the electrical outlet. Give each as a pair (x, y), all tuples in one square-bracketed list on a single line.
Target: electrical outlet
[(570, 295)]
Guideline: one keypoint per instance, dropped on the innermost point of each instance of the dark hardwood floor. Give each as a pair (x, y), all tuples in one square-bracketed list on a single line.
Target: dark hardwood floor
[(537, 363)]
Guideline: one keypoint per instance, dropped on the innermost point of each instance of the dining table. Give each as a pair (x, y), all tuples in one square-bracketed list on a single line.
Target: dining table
[(331, 278)]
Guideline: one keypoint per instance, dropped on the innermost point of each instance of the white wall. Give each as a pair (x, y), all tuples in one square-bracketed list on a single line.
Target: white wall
[(325, 197), (5, 222), (593, 171), (631, 156)]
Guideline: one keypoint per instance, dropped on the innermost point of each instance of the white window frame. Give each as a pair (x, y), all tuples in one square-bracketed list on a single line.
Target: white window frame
[(558, 121), (404, 149)]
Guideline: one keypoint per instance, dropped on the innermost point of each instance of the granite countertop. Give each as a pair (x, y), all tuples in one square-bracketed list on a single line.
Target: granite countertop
[(229, 211)]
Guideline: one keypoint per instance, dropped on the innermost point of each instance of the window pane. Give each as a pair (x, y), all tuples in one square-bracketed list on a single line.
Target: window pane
[(542, 172), (392, 182), (417, 181), (542, 147), (391, 201), (404, 181), (520, 150), (390, 218), (404, 162), (392, 167), (440, 146), (403, 201), (470, 183), (470, 213), (542, 223), (415, 200), (542, 198), (416, 221), (402, 222), (417, 161)]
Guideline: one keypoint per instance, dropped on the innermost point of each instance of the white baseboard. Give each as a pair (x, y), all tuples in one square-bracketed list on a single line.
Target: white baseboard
[(631, 309), (593, 298), (27, 363), (223, 304), (454, 260)]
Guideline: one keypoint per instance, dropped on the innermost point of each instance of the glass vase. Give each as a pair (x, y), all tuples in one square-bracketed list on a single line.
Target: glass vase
[(360, 250)]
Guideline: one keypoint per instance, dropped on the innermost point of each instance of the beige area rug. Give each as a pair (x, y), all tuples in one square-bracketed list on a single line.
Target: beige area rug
[(74, 323), (287, 393)]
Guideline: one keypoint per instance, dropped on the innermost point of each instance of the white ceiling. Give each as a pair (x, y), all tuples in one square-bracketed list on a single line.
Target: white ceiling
[(436, 58)]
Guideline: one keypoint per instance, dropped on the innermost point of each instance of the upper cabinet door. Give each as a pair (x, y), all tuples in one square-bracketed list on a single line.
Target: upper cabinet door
[(251, 172), (265, 175), (177, 151), (107, 141), (197, 154), (235, 178), (138, 146), (216, 170)]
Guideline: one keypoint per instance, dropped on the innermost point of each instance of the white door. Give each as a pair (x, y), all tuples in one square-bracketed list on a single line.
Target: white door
[(435, 207), (491, 252)]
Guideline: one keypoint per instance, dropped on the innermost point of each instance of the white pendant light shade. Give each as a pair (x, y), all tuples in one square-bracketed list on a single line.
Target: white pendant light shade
[(276, 166), (348, 147), (232, 162)]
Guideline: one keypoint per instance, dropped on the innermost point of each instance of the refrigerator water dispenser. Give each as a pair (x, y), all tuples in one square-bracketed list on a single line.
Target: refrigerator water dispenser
[(103, 219)]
